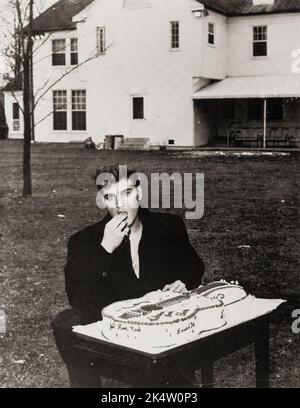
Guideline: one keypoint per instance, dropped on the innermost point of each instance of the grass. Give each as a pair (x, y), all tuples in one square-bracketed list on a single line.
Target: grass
[(248, 201)]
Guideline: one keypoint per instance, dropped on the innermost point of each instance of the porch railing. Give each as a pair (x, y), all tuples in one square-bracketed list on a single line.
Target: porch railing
[(240, 135)]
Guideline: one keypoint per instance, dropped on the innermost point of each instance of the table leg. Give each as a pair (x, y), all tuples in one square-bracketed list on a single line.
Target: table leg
[(207, 374), (262, 355)]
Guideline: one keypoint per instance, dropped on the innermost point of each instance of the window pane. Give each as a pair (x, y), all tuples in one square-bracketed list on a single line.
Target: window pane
[(138, 107), (74, 45), (16, 111), (79, 100), (259, 49), (60, 100), (74, 58), (211, 39), (78, 120), (58, 59), (58, 45), (16, 125), (60, 121)]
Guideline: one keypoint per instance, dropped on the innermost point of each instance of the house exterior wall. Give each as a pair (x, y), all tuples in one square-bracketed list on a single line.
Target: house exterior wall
[(133, 65), (45, 75), (9, 99), (283, 43), (139, 62)]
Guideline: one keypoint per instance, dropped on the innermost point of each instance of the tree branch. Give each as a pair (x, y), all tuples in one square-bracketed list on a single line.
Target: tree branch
[(67, 73), (16, 99), (43, 118), (42, 87)]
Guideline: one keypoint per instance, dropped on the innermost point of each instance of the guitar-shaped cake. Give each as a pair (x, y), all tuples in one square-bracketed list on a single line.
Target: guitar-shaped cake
[(212, 290), (161, 318)]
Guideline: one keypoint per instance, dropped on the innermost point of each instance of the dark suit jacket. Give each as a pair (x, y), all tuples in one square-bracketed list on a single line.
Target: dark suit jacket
[(94, 278)]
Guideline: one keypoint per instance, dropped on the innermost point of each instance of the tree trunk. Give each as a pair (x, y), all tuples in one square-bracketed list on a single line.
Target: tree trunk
[(26, 46), (27, 184)]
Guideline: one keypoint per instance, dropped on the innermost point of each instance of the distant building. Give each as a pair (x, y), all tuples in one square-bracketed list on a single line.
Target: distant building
[(177, 73), (3, 125)]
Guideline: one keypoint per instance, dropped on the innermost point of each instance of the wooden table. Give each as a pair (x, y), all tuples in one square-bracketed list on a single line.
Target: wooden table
[(202, 353)]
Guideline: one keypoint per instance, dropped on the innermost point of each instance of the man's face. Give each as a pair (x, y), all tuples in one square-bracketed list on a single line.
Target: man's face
[(122, 196)]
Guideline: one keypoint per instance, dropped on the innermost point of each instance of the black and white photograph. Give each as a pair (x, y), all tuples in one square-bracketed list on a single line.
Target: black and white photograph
[(149, 196)]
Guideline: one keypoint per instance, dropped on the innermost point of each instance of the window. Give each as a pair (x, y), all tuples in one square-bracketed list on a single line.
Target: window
[(74, 51), (275, 109), (59, 52), (60, 110), (16, 116), (138, 107), (174, 34), (211, 33), (101, 45), (79, 110), (255, 109), (260, 47)]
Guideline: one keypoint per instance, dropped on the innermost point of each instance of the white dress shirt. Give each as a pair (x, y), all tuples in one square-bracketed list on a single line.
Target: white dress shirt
[(134, 238)]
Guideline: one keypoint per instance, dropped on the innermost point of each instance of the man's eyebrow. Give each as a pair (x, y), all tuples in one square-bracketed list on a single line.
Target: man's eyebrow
[(127, 189)]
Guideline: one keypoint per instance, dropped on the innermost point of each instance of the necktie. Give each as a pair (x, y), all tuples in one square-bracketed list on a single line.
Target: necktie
[(127, 256)]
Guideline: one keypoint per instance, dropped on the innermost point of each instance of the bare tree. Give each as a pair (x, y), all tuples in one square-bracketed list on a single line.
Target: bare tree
[(22, 52), (26, 47)]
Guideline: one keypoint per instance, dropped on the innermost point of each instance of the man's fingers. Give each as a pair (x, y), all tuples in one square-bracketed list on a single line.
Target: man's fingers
[(176, 286), (122, 226), (121, 217), (114, 222)]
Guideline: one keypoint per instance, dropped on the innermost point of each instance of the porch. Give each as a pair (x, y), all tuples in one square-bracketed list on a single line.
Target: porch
[(248, 112)]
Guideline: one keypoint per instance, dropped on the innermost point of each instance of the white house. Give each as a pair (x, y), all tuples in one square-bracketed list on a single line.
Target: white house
[(177, 73)]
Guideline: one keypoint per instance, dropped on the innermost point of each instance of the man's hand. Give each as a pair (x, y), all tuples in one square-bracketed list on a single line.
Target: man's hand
[(114, 232), (176, 286)]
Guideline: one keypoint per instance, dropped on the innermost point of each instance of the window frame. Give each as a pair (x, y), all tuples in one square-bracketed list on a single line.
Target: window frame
[(258, 41), (175, 35), (80, 107), (17, 111), (64, 97), (101, 40), (133, 116), (16, 117), (211, 35), (73, 54), (61, 51)]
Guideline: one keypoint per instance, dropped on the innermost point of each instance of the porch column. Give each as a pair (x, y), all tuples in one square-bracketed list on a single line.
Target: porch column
[(265, 124)]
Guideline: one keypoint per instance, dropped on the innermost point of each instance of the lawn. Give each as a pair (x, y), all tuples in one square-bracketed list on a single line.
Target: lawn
[(249, 232)]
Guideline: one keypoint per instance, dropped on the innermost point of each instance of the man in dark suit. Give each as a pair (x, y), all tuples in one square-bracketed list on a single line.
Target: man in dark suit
[(131, 252)]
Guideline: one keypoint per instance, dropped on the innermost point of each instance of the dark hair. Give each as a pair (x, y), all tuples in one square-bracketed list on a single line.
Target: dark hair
[(114, 171)]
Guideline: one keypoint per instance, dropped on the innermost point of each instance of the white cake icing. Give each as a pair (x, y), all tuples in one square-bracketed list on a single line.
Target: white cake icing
[(228, 293), (159, 319)]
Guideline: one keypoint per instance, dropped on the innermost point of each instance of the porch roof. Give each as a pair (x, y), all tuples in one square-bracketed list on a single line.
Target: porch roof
[(281, 86)]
